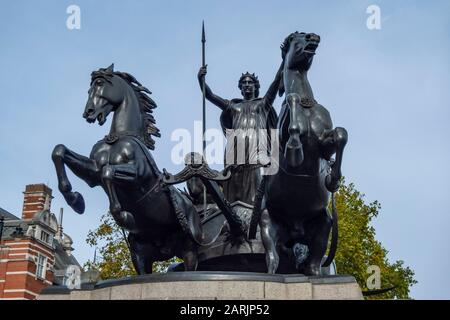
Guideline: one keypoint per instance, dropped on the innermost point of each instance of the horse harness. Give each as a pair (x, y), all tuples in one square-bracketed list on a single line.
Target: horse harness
[(159, 185)]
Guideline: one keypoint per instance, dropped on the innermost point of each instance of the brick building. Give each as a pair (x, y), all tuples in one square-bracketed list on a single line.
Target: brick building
[(34, 251)]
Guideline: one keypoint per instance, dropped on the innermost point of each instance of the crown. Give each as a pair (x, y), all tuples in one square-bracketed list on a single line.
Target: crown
[(249, 75)]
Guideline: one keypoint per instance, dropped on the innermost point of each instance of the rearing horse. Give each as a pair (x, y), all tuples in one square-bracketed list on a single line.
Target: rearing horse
[(161, 221), (294, 203)]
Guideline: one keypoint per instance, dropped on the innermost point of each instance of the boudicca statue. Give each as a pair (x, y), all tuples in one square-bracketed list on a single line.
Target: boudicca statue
[(285, 230), (244, 117)]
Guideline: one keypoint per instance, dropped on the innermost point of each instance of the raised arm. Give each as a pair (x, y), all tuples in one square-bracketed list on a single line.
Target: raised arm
[(271, 93), (218, 101)]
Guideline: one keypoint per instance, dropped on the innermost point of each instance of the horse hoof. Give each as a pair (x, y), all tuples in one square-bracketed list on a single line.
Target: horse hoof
[(76, 202), (271, 269), (332, 184), (312, 271), (272, 261)]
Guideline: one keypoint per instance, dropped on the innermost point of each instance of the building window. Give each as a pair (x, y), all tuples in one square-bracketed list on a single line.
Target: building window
[(45, 236), (40, 270)]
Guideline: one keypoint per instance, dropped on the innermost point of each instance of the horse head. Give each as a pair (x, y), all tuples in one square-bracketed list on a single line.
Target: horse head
[(113, 91), (105, 95), (298, 50)]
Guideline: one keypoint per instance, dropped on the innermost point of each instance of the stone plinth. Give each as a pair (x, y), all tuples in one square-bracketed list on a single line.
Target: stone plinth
[(213, 285)]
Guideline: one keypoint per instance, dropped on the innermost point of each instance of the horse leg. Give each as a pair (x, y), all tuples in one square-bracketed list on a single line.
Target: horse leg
[(293, 151), (318, 232), (141, 255), (339, 137), (269, 238), (190, 256), (123, 218), (83, 167)]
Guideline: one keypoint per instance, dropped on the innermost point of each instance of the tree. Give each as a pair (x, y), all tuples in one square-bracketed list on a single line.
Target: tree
[(358, 249)]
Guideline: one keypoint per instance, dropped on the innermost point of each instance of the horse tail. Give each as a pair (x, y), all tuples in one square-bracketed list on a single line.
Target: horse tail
[(334, 234), (257, 209)]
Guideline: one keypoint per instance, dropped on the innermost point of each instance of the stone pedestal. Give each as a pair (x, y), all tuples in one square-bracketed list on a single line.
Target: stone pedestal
[(213, 285)]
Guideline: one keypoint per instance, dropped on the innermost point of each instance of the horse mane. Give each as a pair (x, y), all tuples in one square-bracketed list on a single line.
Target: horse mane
[(146, 103)]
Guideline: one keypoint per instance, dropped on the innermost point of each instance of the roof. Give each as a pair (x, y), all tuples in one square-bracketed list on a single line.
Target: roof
[(15, 227), (7, 215), (62, 259)]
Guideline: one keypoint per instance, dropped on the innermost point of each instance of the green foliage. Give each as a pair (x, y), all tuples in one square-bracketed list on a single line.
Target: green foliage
[(114, 260), (358, 249)]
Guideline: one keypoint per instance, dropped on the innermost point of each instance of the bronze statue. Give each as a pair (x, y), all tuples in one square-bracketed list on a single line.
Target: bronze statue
[(290, 207), (292, 213), (161, 221), (245, 117)]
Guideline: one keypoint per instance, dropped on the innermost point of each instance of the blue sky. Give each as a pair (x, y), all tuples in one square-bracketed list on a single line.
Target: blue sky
[(388, 87)]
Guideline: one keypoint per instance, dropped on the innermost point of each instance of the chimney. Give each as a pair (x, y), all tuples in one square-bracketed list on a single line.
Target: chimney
[(37, 197)]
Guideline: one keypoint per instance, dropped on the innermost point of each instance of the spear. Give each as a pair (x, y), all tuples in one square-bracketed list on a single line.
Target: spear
[(204, 108), (203, 86)]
